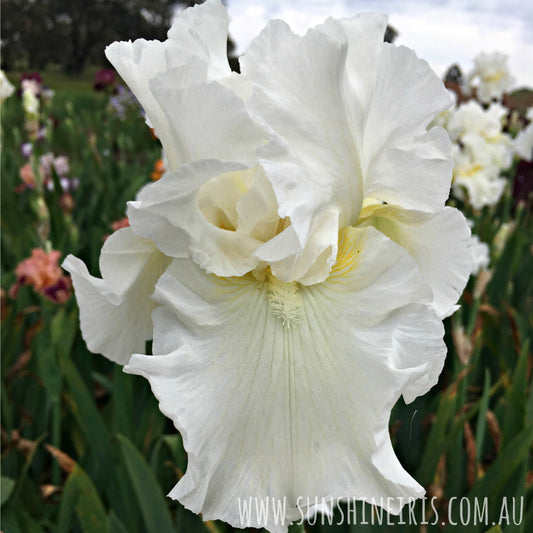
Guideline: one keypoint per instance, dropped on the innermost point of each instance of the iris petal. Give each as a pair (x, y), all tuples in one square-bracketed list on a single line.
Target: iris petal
[(115, 311), (285, 390)]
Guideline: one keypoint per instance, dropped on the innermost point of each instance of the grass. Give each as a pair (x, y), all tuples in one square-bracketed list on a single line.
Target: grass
[(54, 78)]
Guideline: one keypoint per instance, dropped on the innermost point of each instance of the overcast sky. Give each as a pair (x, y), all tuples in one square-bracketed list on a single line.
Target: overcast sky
[(442, 32)]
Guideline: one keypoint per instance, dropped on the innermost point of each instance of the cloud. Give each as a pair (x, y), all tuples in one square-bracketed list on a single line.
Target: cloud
[(442, 32)]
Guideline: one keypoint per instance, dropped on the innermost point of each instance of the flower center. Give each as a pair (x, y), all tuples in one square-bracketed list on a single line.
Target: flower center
[(284, 298), (468, 171), (493, 77), (218, 198)]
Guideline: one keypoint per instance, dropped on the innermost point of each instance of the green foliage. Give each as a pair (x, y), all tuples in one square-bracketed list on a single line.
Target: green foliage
[(56, 80), (74, 31), (85, 447)]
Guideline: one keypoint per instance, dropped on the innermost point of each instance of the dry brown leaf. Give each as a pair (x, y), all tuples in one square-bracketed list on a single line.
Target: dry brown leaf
[(463, 344), (482, 280), (470, 443), (494, 429), (65, 461), (49, 490), (19, 365)]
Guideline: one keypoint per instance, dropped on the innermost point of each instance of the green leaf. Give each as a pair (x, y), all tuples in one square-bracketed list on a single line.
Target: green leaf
[(516, 397), (17, 520), (63, 329), (122, 402), (26, 467), (529, 408), (509, 459), (175, 446), (49, 370), (436, 438), (6, 488), (495, 529), (84, 409), (481, 424), (80, 497), (115, 525), (149, 495)]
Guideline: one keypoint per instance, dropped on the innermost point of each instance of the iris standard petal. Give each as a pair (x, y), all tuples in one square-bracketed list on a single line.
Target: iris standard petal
[(196, 41), (208, 121), (439, 243), (137, 63), (203, 31), (348, 127), (298, 92), (388, 123)]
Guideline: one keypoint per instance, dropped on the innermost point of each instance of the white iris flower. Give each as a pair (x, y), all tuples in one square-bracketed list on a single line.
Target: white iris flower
[(480, 255), (6, 87), (490, 76), (481, 151), (294, 263), (30, 101)]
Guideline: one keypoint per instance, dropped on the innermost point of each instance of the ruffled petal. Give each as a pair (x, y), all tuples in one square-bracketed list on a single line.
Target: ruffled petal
[(400, 161), (275, 35), (197, 40), (225, 217), (137, 63), (477, 175), (414, 173), (439, 243), (483, 187), (523, 143), (309, 265), (298, 92), (346, 127), (208, 121), (115, 311), (264, 378), (202, 30), (192, 213)]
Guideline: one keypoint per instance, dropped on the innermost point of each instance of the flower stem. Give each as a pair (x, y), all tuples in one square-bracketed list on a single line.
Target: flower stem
[(297, 527), (56, 438), (211, 527)]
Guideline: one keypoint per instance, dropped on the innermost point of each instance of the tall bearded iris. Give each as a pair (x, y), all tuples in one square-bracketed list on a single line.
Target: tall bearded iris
[(294, 263)]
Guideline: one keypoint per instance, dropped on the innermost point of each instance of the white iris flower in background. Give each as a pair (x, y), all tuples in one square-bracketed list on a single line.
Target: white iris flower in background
[(480, 255), (292, 266), (6, 87), (490, 76), (30, 100), (482, 130), (481, 151), (480, 252)]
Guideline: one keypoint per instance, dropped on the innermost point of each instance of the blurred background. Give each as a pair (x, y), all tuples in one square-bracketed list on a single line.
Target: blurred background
[(70, 35)]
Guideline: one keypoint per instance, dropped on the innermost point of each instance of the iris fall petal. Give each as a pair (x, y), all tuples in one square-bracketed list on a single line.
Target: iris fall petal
[(260, 389), (115, 311)]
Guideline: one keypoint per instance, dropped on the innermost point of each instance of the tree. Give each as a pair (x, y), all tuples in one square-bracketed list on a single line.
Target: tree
[(71, 32)]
